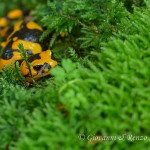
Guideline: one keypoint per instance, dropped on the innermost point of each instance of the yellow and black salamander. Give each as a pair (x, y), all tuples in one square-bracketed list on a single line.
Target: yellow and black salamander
[(26, 33)]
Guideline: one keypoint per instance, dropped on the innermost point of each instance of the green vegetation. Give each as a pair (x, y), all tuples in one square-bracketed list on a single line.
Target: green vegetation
[(100, 88)]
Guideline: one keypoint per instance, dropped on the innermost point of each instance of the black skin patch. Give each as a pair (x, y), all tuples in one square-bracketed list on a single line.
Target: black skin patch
[(25, 12), (9, 45), (8, 32), (33, 57), (31, 35), (8, 53), (27, 34)]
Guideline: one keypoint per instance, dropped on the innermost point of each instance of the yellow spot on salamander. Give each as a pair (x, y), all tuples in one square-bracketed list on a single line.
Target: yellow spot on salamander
[(15, 38), (15, 14), (3, 22), (3, 44), (34, 47), (32, 25)]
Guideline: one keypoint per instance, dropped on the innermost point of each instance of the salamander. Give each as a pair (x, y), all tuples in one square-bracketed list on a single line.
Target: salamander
[(26, 33)]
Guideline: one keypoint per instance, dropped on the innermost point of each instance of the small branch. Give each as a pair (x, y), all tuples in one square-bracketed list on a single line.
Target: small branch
[(24, 56)]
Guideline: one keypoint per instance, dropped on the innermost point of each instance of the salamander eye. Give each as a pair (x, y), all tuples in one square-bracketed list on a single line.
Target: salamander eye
[(46, 66), (37, 67)]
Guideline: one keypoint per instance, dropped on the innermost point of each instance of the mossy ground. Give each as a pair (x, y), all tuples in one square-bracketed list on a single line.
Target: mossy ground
[(100, 88)]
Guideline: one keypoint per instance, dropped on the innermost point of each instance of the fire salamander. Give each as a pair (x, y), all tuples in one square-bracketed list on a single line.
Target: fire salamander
[(26, 33)]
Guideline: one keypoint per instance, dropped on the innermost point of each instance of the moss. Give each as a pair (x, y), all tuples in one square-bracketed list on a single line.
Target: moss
[(89, 97)]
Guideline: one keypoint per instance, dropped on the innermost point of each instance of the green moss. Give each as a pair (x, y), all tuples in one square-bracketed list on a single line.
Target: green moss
[(103, 93)]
